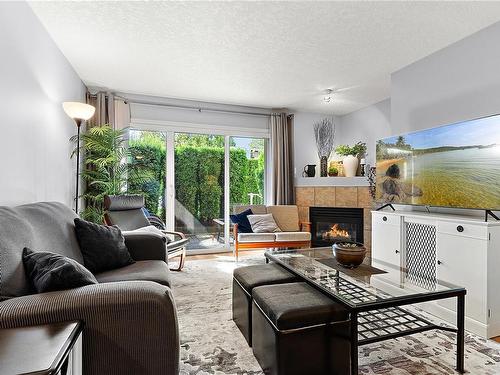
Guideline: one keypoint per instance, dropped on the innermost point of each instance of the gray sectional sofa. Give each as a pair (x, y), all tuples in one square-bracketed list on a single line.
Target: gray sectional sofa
[(130, 316)]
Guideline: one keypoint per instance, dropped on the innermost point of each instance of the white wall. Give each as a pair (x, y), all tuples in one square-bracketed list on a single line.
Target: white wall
[(35, 78), (366, 125), (305, 151), (459, 82)]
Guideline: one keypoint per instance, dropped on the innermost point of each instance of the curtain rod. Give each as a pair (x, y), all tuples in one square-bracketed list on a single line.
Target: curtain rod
[(199, 109)]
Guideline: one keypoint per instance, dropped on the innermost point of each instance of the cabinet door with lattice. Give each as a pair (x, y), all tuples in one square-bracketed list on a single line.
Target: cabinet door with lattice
[(419, 258)]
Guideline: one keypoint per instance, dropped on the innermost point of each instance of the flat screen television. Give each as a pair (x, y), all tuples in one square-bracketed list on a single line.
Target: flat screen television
[(456, 165)]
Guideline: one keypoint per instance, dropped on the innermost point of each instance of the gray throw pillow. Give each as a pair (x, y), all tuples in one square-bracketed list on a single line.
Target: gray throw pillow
[(263, 223), (48, 272), (103, 247)]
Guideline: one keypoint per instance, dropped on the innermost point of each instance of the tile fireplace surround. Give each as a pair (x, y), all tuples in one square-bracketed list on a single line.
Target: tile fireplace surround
[(335, 196)]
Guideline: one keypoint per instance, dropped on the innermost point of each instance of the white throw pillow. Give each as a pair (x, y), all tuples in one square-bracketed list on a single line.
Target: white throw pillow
[(263, 223), (152, 229), (149, 229)]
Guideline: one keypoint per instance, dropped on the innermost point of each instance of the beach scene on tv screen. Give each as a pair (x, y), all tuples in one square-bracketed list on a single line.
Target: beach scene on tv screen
[(456, 165)]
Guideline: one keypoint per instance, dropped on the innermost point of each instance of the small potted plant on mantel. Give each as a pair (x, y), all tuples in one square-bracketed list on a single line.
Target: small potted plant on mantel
[(351, 156), (333, 171)]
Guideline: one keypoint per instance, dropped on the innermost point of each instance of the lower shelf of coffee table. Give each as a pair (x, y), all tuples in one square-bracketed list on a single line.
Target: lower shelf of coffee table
[(388, 323)]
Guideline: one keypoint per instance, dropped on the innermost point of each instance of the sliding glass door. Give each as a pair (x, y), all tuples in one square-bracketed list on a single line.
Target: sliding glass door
[(195, 181), (199, 189), (247, 171)]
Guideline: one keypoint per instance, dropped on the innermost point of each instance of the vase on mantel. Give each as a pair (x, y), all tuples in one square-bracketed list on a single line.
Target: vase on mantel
[(324, 166), (350, 164)]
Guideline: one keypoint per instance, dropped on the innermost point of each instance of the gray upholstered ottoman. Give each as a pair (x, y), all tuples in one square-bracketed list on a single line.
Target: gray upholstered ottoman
[(297, 330), (244, 280)]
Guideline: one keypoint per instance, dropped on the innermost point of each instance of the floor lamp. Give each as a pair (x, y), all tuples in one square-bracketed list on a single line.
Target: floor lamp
[(79, 112)]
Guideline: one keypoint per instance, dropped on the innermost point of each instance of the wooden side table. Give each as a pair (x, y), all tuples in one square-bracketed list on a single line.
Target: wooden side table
[(48, 349)]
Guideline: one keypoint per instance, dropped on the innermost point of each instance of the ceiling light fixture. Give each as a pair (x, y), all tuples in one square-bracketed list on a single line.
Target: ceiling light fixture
[(328, 96)]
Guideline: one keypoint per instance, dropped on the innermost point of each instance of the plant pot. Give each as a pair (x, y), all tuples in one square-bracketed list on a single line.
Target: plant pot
[(350, 164), (333, 174), (350, 256)]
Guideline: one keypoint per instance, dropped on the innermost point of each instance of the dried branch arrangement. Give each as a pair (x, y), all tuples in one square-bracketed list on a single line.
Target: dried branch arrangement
[(324, 132)]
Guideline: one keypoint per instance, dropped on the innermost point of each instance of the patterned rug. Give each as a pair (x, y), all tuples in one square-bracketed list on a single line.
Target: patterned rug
[(212, 344)]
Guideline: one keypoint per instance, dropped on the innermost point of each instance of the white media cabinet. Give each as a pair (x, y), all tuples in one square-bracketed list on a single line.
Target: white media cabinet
[(460, 250)]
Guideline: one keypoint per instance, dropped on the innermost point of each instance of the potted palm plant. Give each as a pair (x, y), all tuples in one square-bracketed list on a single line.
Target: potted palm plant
[(351, 156), (106, 170)]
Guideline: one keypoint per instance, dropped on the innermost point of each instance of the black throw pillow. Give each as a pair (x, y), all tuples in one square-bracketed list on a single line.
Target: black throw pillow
[(103, 247), (242, 220), (49, 272)]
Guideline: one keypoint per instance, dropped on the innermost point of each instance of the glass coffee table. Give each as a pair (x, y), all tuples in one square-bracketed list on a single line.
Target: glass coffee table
[(373, 294)]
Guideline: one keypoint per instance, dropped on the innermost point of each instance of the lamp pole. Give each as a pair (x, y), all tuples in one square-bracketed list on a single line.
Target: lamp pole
[(79, 112), (78, 124)]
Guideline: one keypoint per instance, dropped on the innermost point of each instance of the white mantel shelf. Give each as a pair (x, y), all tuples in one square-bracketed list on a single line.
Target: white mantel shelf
[(331, 181)]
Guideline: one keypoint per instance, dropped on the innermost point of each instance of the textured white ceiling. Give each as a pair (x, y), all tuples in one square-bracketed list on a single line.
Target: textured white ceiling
[(266, 54)]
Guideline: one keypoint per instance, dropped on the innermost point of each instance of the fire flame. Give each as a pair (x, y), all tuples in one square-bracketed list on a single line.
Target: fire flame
[(336, 232)]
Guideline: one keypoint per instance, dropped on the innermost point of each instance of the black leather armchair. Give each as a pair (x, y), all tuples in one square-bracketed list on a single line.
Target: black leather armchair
[(127, 212)]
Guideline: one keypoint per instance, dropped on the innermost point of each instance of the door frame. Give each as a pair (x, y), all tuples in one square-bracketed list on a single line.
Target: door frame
[(172, 127)]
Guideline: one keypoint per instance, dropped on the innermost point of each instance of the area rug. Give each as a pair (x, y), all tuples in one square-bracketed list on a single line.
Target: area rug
[(212, 344)]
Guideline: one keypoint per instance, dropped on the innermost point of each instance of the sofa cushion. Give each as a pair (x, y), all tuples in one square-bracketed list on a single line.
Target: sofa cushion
[(103, 247), (251, 277), (46, 225), (287, 217), (293, 236), (49, 272), (257, 209), (242, 220), (296, 305), (263, 223), (256, 237), (143, 270)]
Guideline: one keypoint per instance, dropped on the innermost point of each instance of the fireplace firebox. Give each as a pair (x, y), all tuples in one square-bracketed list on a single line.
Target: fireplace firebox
[(334, 224)]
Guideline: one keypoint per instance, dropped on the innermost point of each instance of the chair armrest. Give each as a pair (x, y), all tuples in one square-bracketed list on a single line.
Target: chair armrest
[(178, 244), (179, 234), (305, 226), (130, 327), (145, 245)]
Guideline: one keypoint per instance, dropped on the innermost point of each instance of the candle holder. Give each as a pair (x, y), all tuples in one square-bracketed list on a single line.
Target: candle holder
[(363, 164)]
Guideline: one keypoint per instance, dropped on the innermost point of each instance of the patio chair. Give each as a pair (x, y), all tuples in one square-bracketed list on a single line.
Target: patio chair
[(128, 213)]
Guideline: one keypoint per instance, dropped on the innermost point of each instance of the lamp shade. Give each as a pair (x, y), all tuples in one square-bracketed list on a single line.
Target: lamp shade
[(78, 111)]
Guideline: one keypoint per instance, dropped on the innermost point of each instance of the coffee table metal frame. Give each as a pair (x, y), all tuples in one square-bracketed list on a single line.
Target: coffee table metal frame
[(373, 319)]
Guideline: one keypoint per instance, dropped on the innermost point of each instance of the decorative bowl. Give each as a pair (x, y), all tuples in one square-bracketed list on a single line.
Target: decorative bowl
[(349, 254)]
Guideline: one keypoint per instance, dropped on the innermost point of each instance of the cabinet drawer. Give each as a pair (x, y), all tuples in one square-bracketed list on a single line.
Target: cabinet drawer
[(381, 218), (464, 230)]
